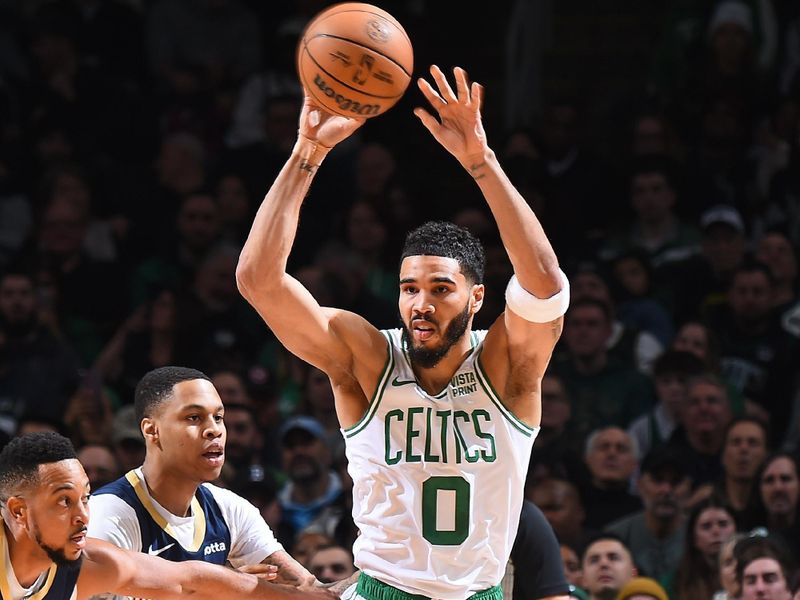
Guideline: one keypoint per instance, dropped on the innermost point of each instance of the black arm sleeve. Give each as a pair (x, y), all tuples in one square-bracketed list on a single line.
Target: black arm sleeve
[(538, 570)]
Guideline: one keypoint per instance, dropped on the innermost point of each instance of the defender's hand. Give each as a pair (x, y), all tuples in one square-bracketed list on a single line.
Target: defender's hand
[(324, 128), (459, 128), (260, 570)]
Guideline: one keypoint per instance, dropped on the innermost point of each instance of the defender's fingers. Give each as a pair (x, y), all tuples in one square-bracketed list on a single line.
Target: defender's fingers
[(445, 90), (428, 120), (477, 94)]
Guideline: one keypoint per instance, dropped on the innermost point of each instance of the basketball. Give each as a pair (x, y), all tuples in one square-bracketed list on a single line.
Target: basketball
[(355, 60)]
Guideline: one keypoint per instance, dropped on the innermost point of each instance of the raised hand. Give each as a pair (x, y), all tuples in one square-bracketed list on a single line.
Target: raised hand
[(459, 128), (324, 128)]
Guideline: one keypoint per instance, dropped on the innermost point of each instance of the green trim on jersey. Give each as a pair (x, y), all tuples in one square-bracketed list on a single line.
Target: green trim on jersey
[(373, 589), (376, 397), (495, 398)]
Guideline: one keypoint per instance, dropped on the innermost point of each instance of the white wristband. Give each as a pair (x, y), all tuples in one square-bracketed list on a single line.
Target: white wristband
[(537, 310)]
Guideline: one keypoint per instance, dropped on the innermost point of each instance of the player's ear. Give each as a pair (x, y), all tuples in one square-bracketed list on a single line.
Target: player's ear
[(477, 292), (17, 508), (149, 430)]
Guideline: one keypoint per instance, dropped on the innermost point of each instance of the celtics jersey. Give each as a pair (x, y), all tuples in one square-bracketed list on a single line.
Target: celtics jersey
[(437, 479), (57, 583)]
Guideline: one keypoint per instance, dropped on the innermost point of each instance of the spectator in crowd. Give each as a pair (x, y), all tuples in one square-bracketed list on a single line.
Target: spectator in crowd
[(561, 504), (642, 588), (628, 343), (641, 304), (607, 567), (697, 338), (710, 523), (573, 570), (331, 563), (775, 250), (611, 458), (655, 228), (604, 390), (702, 429), (756, 353), (126, 439), (731, 589), (702, 280), (29, 349), (243, 443), (312, 484), (306, 544), (776, 499), (100, 465), (671, 372), (764, 570), (744, 449), (655, 535)]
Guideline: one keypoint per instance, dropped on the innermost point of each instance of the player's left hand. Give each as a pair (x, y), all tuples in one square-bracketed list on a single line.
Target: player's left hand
[(260, 570), (459, 128)]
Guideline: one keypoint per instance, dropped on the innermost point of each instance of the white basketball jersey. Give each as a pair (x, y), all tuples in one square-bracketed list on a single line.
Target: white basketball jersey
[(438, 480)]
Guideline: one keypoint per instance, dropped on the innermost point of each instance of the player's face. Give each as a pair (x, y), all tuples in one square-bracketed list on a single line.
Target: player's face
[(191, 431), (58, 511), (437, 304)]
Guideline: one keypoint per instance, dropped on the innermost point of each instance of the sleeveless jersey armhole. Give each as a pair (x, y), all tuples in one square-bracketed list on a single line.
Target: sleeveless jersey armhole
[(388, 367)]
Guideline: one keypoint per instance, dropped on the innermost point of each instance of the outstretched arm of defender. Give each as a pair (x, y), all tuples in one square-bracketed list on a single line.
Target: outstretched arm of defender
[(460, 130), (108, 569), (314, 334)]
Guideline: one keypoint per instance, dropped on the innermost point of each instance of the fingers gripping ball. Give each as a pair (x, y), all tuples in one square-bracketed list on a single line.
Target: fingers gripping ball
[(355, 60)]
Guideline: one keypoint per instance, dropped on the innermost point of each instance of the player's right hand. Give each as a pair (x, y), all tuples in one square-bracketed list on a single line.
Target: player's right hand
[(323, 127)]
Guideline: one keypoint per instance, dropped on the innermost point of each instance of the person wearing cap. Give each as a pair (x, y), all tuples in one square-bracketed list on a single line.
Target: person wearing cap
[(312, 486), (656, 534), (167, 507), (702, 280), (642, 588)]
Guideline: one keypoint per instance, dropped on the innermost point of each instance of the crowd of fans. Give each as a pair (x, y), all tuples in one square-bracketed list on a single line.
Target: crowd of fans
[(137, 139)]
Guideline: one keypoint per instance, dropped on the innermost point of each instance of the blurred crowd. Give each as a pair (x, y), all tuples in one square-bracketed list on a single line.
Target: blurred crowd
[(137, 139)]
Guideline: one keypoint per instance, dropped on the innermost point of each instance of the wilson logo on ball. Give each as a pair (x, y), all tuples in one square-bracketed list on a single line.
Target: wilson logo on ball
[(344, 103), (378, 31)]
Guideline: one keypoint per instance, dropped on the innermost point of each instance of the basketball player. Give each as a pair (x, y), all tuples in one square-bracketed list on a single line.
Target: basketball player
[(166, 507), (47, 555), (438, 420)]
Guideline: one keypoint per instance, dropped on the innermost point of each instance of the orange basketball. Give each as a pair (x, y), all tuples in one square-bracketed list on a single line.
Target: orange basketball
[(355, 60)]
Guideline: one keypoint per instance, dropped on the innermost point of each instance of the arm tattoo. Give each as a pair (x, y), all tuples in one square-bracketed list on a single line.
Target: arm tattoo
[(307, 166), (475, 168)]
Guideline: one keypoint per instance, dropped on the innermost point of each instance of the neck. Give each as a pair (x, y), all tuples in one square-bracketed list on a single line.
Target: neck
[(705, 443), (587, 365), (782, 293), (436, 378), (656, 229), (781, 521), (28, 561), (303, 493), (738, 492), (169, 489), (661, 528)]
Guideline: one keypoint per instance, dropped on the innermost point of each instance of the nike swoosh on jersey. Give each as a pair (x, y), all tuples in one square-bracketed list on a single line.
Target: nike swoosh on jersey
[(397, 383), (155, 552)]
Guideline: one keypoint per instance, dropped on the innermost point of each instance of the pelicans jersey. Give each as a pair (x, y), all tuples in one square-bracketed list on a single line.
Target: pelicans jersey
[(222, 526), (437, 479), (57, 583)]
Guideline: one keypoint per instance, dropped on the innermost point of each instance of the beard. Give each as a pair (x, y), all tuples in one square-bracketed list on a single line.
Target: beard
[(58, 555), (428, 358)]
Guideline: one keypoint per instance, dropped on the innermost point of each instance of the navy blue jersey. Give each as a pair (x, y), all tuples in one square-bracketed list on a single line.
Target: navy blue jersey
[(212, 538), (59, 584)]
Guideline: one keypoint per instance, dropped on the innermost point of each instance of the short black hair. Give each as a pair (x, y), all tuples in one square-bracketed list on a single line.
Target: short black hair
[(604, 536), (755, 547), (157, 386), (441, 238), (20, 459), (678, 362)]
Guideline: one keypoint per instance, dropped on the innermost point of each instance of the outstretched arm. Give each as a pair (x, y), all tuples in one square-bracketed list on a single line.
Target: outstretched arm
[(460, 130), (108, 569), (316, 335)]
